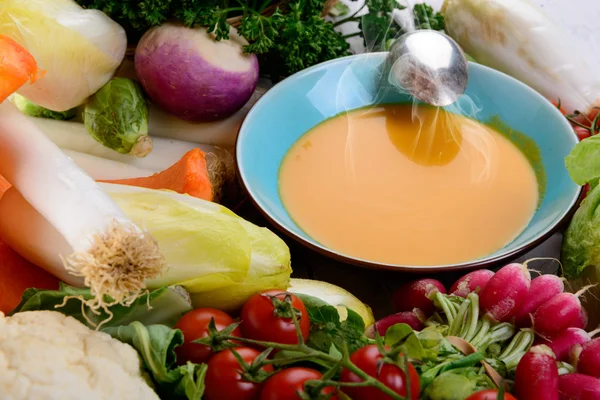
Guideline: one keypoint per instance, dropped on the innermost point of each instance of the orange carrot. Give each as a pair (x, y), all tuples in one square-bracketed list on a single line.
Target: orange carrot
[(18, 274), (17, 66), (4, 185), (189, 175)]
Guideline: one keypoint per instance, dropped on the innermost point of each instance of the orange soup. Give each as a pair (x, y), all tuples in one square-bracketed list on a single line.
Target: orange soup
[(411, 186)]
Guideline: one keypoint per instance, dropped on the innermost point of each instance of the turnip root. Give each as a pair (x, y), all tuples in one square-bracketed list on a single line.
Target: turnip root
[(542, 289), (578, 387), (536, 377), (191, 75), (418, 294), (471, 282)]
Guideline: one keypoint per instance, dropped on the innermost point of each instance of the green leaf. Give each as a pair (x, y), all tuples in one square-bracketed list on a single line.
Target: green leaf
[(583, 163), (581, 242), (328, 331), (167, 306), (33, 110), (404, 337), (156, 346)]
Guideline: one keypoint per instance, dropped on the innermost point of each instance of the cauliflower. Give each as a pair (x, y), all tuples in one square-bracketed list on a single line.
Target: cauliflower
[(45, 355)]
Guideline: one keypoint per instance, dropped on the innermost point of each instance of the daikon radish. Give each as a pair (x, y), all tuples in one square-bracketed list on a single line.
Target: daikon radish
[(104, 169), (112, 255)]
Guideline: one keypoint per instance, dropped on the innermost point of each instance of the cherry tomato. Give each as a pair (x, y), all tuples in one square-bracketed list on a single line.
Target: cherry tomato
[(288, 384), (592, 114), (490, 394), (194, 325), (260, 322), (223, 380), (581, 132), (392, 376)]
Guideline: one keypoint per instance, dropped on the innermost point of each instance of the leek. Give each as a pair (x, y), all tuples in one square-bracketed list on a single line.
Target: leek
[(105, 248), (515, 37), (217, 256)]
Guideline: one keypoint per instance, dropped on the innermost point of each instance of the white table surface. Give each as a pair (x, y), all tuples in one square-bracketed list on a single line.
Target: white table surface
[(579, 18)]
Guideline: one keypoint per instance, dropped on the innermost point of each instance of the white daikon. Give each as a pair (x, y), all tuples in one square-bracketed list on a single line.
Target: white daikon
[(112, 255), (517, 38)]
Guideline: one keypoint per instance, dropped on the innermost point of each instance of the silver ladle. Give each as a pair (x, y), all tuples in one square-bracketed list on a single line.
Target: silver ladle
[(428, 65)]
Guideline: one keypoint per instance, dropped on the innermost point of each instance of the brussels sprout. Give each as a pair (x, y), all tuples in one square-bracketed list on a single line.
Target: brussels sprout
[(33, 110), (117, 116)]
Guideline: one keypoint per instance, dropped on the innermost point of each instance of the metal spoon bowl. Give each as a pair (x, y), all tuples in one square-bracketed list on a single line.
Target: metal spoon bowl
[(428, 65)]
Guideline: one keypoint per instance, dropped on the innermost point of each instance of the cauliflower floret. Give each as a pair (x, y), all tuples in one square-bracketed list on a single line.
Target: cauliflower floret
[(45, 355)]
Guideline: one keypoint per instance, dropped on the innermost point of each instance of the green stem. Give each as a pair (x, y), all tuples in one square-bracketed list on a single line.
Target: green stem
[(522, 342), (473, 317), (446, 307), (499, 333), (351, 35), (485, 327), (459, 321), (350, 18)]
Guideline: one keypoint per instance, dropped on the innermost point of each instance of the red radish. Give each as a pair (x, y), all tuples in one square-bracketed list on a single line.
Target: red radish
[(542, 289), (501, 298), (589, 358), (536, 377), (578, 387), (470, 282), (557, 314), (414, 319), (562, 344), (417, 294), (582, 319)]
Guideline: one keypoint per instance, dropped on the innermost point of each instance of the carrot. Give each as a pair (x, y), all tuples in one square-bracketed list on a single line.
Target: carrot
[(189, 175), (17, 66), (18, 274), (4, 185)]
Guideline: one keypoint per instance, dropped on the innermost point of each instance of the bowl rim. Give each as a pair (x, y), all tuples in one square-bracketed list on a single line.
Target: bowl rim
[(333, 254)]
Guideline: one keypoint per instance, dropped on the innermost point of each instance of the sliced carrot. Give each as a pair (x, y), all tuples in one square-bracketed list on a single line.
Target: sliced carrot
[(17, 66), (18, 274), (189, 175)]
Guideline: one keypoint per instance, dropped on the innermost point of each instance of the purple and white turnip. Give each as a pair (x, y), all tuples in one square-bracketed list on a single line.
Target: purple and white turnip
[(191, 75)]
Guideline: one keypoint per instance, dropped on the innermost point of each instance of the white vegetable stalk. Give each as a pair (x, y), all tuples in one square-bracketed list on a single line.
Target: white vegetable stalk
[(111, 254), (73, 136), (515, 37)]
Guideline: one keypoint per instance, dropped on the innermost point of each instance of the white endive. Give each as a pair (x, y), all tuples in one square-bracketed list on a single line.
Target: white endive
[(218, 257), (79, 49), (517, 38)]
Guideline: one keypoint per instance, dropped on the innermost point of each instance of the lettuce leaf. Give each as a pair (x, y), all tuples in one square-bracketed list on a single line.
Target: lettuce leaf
[(167, 304), (156, 346), (583, 163)]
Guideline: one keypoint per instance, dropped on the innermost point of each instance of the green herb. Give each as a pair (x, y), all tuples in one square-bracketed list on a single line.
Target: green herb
[(156, 346), (327, 330), (426, 18)]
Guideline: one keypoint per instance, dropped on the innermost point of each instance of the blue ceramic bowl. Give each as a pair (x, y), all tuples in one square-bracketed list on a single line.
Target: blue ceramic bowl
[(300, 102)]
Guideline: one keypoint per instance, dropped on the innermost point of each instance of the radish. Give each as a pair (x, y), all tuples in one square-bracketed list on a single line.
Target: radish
[(414, 319), (578, 387), (589, 358), (542, 289), (418, 294), (557, 314), (562, 344), (536, 376), (501, 298), (582, 319), (471, 282)]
